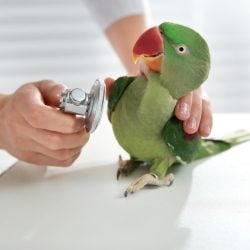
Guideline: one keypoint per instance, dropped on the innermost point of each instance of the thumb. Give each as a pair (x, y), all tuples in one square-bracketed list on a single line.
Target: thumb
[(50, 91), (109, 84)]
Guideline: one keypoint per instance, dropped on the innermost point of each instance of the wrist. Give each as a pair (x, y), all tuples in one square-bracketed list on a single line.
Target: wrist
[(3, 99)]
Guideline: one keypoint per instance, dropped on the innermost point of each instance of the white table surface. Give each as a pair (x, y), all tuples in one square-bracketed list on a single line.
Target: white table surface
[(82, 207)]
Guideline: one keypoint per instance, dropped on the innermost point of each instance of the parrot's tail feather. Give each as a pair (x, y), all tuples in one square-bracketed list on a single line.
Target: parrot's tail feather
[(237, 137), (212, 146)]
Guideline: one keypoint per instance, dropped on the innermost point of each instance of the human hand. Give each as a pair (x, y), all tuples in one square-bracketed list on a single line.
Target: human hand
[(34, 130), (195, 111)]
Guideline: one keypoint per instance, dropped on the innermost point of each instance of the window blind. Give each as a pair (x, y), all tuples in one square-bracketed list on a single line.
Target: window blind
[(57, 39)]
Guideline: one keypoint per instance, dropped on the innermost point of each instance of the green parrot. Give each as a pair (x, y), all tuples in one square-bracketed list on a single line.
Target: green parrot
[(140, 108)]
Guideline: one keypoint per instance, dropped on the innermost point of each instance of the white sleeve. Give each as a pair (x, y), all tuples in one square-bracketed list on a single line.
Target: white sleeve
[(106, 12)]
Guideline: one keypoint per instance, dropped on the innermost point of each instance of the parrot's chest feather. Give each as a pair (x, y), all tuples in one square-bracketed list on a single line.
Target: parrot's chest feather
[(140, 116)]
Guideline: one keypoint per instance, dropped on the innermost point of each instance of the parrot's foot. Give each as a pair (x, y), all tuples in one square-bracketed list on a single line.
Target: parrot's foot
[(149, 179), (127, 167)]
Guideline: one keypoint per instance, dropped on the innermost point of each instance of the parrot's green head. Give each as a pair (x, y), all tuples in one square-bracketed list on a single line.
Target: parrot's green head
[(178, 53)]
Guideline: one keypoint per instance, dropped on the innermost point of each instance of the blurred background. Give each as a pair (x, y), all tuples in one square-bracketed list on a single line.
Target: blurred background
[(58, 39)]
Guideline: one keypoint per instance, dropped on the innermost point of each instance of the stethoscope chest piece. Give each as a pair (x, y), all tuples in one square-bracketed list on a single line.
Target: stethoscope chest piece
[(89, 105)]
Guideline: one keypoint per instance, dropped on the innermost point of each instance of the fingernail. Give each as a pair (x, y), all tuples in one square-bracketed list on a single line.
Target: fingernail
[(206, 129), (192, 123), (184, 108)]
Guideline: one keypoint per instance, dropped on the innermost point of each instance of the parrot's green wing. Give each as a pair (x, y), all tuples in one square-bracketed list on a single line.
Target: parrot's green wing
[(183, 145), (118, 88)]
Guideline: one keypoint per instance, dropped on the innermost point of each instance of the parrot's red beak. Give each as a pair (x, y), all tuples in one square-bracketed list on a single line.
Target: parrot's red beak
[(149, 47)]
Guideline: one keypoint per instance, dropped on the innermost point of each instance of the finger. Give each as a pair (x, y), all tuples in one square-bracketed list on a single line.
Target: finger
[(60, 154), (144, 69), (57, 141), (183, 107), (43, 117), (27, 145), (206, 118), (40, 159), (109, 83), (51, 92), (191, 125), (39, 115), (48, 139)]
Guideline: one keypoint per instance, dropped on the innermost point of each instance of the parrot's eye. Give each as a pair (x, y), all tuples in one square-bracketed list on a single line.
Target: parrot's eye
[(182, 49)]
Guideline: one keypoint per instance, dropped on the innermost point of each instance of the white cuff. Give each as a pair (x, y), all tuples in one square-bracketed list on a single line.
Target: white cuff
[(106, 12)]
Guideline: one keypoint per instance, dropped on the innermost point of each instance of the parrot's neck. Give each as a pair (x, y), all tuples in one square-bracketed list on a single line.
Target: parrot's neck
[(151, 74), (155, 103)]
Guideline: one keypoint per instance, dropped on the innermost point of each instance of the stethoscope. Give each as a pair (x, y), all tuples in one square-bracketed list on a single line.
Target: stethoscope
[(89, 105)]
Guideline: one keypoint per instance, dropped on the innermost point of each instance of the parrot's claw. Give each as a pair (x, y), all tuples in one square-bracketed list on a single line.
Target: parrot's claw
[(149, 179), (169, 180), (126, 193), (126, 167)]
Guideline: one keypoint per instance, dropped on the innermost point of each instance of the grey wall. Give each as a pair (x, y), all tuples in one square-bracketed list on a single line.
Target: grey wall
[(57, 39)]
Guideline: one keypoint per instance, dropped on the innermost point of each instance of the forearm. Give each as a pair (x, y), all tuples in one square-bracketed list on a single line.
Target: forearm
[(2, 100), (122, 35)]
